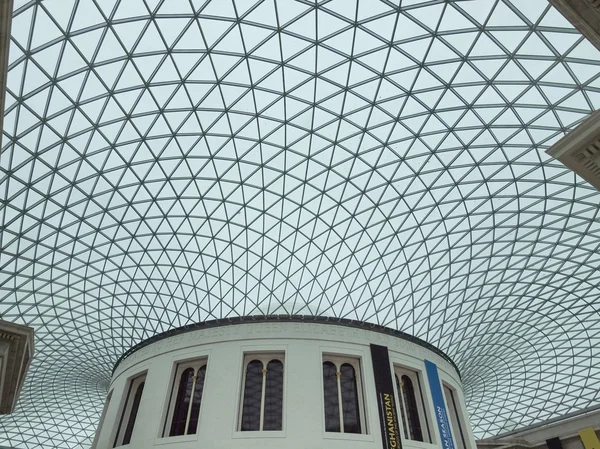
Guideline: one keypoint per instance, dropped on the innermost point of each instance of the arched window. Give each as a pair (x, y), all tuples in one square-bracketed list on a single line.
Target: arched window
[(455, 416), (350, 405), (412, 407), (252, 396), (198, 389), (403, 416), (273, 418), (134, 410), (130, 410), (408, 409), (262, 401), (186, 398), (331, 397), (342, 395), (184, 392)]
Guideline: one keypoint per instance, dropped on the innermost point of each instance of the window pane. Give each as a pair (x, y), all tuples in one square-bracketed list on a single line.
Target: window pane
[(197, 400), (412, 412), (273, 419), (459, 437), (332, 403), (182, 403), (116, 443), (252, 396), (349, 399), (402, 409), (133, 414)]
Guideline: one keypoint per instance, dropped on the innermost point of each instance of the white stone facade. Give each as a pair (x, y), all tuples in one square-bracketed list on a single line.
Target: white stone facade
[(303, 345)]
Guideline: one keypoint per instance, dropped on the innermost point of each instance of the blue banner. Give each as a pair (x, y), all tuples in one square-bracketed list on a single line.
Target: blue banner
[(441, 414)]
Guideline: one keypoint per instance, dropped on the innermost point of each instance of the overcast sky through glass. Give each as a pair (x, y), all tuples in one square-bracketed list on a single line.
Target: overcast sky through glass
[(169, 162)]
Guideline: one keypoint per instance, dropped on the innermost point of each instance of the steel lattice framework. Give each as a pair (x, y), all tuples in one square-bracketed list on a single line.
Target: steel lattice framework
[(165, 162)]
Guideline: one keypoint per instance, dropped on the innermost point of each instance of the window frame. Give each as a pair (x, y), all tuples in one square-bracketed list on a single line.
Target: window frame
[(417, 377), (102, 418), (124, 412), (455, 409), (179, 366), (264, 357), (355, 361)]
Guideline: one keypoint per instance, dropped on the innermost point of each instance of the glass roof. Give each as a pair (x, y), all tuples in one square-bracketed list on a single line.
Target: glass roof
[(172, 161)]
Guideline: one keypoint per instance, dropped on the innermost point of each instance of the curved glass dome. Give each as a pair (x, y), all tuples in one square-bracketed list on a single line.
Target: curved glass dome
[(165, 162)]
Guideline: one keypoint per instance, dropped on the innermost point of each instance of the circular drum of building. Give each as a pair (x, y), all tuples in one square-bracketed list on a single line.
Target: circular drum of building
[(292, 381)]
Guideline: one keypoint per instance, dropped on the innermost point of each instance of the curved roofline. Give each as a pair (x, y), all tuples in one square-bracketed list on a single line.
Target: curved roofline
[(286, 319)]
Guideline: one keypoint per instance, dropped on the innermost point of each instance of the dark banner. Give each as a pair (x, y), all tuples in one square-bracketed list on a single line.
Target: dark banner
[(388, 414), (554, 443)]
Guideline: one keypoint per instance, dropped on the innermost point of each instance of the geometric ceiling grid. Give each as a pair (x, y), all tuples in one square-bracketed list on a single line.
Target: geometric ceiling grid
[(165, 162)]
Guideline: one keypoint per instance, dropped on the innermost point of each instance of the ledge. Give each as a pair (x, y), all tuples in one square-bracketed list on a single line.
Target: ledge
[(579, 150), (16, 352), (583, 15), (286, 319)]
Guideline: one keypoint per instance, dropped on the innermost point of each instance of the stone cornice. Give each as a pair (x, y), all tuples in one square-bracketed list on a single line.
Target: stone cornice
[(583, 15), (16, 352)]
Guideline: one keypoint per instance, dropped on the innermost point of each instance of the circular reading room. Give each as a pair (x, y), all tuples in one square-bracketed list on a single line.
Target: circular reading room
[(284, 381), (311, 224)]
